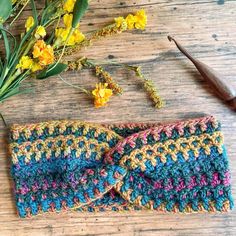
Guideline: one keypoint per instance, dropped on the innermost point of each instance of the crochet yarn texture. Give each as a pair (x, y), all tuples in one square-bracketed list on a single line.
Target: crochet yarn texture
[(176, 167)]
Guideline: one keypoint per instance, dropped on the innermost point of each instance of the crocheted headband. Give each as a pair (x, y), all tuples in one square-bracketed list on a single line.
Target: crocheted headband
[(178, 167)]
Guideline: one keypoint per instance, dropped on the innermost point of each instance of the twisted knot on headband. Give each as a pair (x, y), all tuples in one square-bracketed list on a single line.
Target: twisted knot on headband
[(176, 167)]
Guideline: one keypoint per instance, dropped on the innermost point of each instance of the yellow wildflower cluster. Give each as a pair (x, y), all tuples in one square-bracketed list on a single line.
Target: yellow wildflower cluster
[(43, 55), (40, 32), (138, 21), (27, 63), (101, 95), (38, 54), (43, 52), (63, 33)]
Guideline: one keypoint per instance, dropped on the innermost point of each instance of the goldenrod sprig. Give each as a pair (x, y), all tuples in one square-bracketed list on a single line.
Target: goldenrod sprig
[(120, 24), (100, 72), (153, 93), (77, 65), (107, 78), (149, 86)]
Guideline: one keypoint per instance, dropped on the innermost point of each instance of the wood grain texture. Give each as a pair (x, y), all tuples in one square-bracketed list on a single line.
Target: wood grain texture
[(208, 30)]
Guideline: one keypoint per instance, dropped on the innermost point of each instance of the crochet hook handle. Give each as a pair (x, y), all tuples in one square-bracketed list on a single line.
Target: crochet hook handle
[(226, 90)]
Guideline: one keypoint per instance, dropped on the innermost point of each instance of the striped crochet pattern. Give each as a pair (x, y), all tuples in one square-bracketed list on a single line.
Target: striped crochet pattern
[(176, 167)]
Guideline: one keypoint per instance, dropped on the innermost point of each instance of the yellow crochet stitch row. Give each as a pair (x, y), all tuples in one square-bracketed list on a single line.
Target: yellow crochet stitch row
[(162, 208), (62, 126), (27, 149), (172, 148)]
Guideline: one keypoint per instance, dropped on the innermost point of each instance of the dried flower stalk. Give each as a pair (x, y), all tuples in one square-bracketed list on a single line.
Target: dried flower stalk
[(77, 65), (107, 78), (102, 33), (149, 87)]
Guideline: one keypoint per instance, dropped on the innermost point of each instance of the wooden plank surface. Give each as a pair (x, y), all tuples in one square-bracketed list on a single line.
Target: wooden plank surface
[(208, 29)]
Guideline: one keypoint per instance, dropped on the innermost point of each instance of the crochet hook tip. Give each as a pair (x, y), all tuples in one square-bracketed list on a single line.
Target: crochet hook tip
[(170, 38)]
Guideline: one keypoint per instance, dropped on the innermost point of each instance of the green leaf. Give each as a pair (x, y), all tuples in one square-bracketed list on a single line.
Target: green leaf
[(79, 9), (6, 43), (13, 92), (4, 33), (50, 9), (6, 8), (52, 70), (34, 11)]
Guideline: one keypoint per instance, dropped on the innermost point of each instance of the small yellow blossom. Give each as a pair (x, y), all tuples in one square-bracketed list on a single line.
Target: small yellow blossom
[(36, 67), (43, 52), (62, 33), (120, 22), (40, 32), (69, 5), (78, 36), (67, 19), (130, 20), (25, 63), (29, 23), (101, 95), (140, 19), (38, 47)]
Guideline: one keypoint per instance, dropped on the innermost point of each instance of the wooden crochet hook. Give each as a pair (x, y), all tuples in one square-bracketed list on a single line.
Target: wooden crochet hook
[(223, 87)]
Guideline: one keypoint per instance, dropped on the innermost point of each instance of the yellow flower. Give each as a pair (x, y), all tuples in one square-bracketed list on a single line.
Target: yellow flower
[(78, 36), (40, 32), (67, 18), (69, 5), (44, 53), (36, 67), (101, 95), (62, 34), (71, 41), (38, 47), (120, 22), (25, 63), (13, 1), (130, 20), (29, 23), (140, 19)]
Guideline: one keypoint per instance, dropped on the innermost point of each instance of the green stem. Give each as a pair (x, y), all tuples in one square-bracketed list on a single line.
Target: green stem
[(16, 17), (3, 120), (9, 81), (74, 86), (64, 47), (63, 50), (29, 46)]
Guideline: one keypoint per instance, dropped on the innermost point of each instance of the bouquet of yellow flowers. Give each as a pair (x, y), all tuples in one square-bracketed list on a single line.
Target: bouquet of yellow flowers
[(40, 50)]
